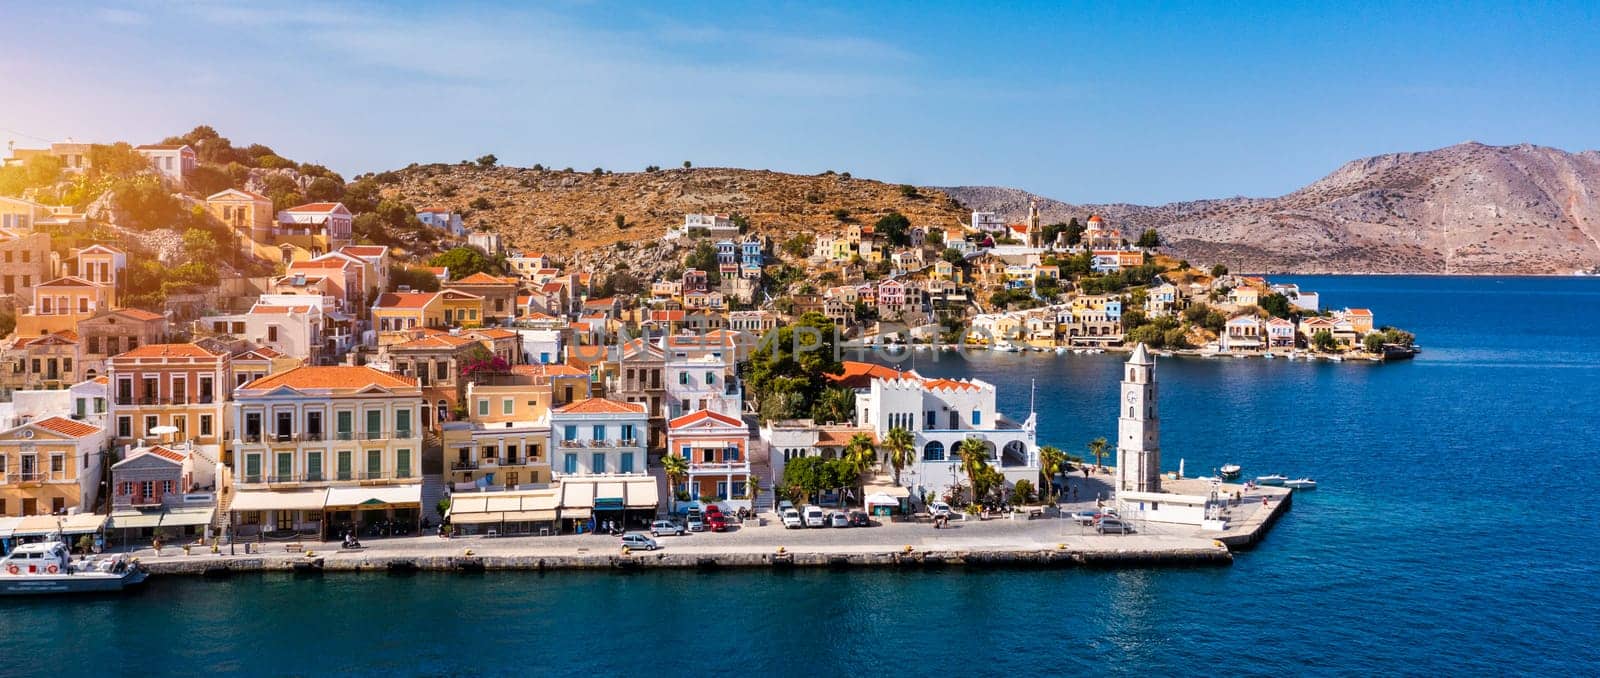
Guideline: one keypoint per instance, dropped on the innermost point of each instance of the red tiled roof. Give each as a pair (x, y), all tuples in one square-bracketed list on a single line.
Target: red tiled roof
[(365, 250), (494, 333), (164, 453), (137, 314), (331, 376), (839, 437), (481, 278), (549, 370), (1358, 311), (860, 375), (702, 415), (279, 310), (68, 281), (318, 207), (168, 351), (601, 406), (405, 299), (436, 341), (948, 384), (321, 263), (67, 427)]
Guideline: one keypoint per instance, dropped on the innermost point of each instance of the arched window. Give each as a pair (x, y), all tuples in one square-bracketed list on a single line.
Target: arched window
[(933, 451), (1015, 453), (1130, 413)]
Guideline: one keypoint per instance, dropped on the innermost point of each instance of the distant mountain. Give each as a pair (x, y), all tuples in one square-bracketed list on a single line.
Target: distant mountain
[(1465, 209)]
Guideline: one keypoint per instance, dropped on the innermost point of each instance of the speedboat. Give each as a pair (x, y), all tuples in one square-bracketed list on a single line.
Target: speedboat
[(1230, 471), (1271, 480), (1336, 358), (48, 567), (1301, 484)]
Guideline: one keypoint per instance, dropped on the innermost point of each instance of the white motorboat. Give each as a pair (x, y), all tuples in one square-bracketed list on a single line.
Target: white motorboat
[(1271, 355), (1061, 350), (48, 567), (1336, 358), (1230, 471), (1301, 484), (1271, 480)]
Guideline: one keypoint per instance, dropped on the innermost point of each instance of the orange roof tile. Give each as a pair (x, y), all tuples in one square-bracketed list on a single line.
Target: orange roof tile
[(481, 278), (137, 314), (405, 299), (549, 370), (494, 333), (948, 384), (702, 415), (365, 250), (67, 427), (162, 452), (839, 437), (321, 263), (320, 207), (331, 376), (601, 406), (860, 375)]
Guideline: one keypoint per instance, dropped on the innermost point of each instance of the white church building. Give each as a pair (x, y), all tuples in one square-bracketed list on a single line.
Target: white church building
[(1138, 480)]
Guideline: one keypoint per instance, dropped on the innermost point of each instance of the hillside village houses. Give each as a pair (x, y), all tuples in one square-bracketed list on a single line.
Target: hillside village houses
[(330, 396)]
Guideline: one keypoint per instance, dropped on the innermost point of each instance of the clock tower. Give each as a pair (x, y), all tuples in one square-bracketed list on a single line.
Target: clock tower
[(1138, 427)]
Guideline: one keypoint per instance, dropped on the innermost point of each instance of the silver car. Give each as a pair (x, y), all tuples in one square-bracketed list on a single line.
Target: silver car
[(1114, 525), (661, 527), (634, 540)]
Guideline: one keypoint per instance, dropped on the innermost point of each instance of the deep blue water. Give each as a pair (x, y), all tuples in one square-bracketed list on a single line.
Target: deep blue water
[(1454, 532)]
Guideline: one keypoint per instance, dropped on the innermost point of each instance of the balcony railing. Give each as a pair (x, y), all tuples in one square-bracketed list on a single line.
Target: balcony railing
[(276, 438), (731, 466), (464, 466)]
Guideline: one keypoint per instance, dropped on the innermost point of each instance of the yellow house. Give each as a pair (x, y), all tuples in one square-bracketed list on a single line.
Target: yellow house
[(505, 438), (395, 313), (50, 466), (461, 309), (59, 304), (17, 214), (245, 212), (1244, 296)]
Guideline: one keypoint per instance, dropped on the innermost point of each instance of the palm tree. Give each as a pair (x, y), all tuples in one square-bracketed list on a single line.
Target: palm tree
[(677, 470), (899, 444), (974, 459), (861, 453), (1097, 449), (1051, 459)]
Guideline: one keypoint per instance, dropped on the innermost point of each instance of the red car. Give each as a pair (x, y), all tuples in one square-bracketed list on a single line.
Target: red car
[(717, 522)]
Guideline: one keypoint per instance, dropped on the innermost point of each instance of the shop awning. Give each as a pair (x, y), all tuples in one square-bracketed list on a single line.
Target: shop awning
[(375, 496), (576, 513), (576, 495), (186, 516), (611, 491), (543, 501), (287, 500), (894, 491), (8, 525), (530, 516), (477, 518), (642, 494), (83, 523), (512, 502), (133, 520), (468, 504), (37, 526)]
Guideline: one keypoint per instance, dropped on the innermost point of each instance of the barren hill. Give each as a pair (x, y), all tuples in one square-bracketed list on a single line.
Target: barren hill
[(1464, 209), (563, 212)]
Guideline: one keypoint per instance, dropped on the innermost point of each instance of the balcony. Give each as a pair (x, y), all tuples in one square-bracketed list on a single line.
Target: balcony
[(464, 466), (719, 466)]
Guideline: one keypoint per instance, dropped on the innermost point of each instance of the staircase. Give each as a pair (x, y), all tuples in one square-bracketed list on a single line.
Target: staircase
[(224, 497), (433, 490), (766, 500)]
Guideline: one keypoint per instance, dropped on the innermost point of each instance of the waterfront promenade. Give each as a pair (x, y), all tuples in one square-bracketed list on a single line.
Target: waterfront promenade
[(1004, 539)]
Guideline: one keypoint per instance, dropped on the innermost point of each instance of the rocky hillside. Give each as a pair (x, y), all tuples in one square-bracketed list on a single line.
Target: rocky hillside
[(567, 213), (1465, 209)]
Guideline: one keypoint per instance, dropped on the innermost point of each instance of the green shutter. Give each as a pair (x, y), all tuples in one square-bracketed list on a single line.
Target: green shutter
[(402, 463), (344, 464), (374, 463)]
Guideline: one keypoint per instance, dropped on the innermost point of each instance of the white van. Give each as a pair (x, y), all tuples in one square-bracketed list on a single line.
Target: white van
[(791, 519), (814, 517)]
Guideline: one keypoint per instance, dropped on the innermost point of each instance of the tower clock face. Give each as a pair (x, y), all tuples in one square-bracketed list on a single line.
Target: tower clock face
[(1132, 396)]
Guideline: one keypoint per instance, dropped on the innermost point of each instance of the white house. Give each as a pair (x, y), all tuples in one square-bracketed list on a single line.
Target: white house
[(174, 162), (596, 436), (442, 219)]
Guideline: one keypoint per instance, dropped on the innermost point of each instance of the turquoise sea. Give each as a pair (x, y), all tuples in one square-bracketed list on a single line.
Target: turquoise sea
[(1454, 533)]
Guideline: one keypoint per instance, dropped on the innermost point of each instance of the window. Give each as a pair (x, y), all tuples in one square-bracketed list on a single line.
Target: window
[(731, 453), (99, 405), (683, 378), (627, 462), (83, 304), (402, 463), (627, 432), (314, 425), (402, 423), (285, 428), (441, 370), (150, 422), (374, 424), (314, 466), (711, 378), (570, 463), (483, 407), (272, 333), (506, 405), (344, 465), (597, 462), (344, 422), (252, 468), (124, 427), (977, 418), (933, 451), (147, 489), (58, 463), (599, 432), (570, 433), (374, 463), (285, 465)]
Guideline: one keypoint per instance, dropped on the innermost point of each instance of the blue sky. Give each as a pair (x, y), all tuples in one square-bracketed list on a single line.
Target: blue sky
[(1086, 102)]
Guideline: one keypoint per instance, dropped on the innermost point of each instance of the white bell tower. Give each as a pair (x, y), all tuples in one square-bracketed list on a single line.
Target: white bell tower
[(1138, 427)]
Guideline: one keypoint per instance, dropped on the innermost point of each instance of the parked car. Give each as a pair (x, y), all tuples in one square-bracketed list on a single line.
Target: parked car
[(634, 540), (1084, 517), (791, 518), (939, 508), (661, 527), (713, 510), (785, 505), (1112, 525), (860, 519), (814, 517), (717, 522), (695, 522), (839, 519)]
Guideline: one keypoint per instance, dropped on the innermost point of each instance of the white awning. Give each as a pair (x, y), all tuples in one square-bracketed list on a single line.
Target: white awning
[(643, 494), (374, 496), (530, 516), (476, 518), (504, 502), (286, 500), (183, 517), (468, 503), (37, 526), (610, 490), (891, 491), (132, 520), (543, 501), (576, 495), (577, 513), (8, 525)]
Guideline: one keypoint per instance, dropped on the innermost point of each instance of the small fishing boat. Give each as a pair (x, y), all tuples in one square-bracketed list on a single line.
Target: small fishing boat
[(1271, 480), (1270, 356), (1301, 484), (1061, 350), (1230, 471), (48, 567), (1336, 358)]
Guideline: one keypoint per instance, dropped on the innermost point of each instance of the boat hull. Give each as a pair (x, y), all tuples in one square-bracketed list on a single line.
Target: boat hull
[(38, 585)]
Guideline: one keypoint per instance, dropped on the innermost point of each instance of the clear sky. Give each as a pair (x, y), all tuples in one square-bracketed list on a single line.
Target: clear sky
[(1086, 102)]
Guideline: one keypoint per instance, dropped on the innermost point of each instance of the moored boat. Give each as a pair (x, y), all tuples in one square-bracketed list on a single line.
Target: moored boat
[(47, 567), (1301, 484), (1230, 471), (1271, 480)]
